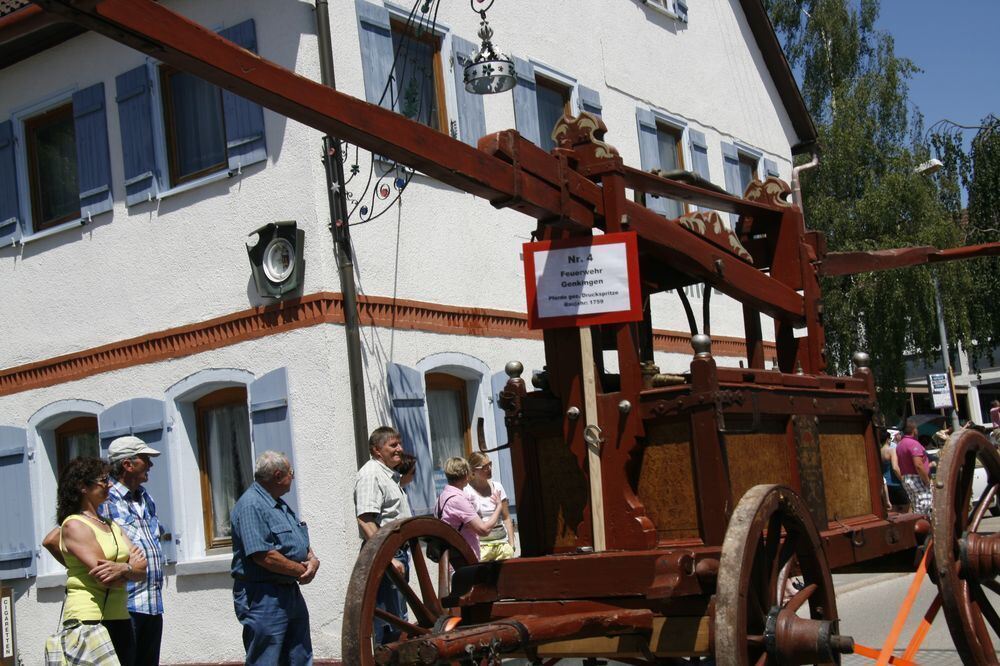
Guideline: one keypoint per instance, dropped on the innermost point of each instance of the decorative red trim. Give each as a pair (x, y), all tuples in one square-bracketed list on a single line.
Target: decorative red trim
[(320, 308)]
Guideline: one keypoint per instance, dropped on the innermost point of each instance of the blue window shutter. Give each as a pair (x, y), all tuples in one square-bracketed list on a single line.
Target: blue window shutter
[(17, 524), (113, 422), (271, 422), (770, 167), (681, 10), (590, 100), (245, 143), (471, 116), (148, 424), (135, 117), (10, 215), (649, 153), (376, 53), (699, 153), (408, 406), (146, 419), (93, 162), (525, 101), (506, 472)]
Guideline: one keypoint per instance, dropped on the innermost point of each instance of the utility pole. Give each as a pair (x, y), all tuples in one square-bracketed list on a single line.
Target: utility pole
[(946, 355), (334, 164)]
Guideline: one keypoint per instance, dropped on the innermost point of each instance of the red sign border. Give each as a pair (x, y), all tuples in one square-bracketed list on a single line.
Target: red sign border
[(634, 313)]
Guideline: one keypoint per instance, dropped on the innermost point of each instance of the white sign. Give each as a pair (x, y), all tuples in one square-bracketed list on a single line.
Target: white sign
[(940, 390), (582, 280), (8, 628)]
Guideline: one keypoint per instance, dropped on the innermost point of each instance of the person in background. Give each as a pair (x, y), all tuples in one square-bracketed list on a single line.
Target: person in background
[(896, 497), (456, 509), (379, 500), (995, 414), (499, 543), (407, 470), (271, 559), (914, 469), (131, 507), (98, 556)]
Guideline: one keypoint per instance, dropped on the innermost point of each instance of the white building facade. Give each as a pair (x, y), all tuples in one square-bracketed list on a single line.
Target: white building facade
[(128, 189)]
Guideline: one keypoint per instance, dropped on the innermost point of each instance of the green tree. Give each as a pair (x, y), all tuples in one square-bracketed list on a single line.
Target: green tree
[(865, 194)]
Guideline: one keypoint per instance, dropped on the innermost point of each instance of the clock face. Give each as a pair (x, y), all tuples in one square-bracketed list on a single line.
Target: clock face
[(279, 260)]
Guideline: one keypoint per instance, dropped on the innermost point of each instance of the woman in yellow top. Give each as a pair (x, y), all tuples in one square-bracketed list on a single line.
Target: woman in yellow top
[(99, 558)]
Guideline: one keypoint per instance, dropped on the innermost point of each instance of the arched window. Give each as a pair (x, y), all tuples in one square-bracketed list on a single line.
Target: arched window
[(448, 417), (77, 437), (225, 457)]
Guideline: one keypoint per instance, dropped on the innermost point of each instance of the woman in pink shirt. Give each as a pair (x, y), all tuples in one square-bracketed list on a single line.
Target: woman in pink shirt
[(455, 508), (914, 470)]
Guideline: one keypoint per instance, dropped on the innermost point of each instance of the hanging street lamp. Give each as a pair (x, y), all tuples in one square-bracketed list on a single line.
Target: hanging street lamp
[(489, 71)]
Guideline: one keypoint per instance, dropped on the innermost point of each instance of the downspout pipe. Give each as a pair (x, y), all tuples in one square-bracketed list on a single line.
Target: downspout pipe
[(337, 197), (796, 182)]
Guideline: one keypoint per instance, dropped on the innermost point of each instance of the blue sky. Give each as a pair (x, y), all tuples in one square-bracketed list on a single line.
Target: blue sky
[(957, 45)]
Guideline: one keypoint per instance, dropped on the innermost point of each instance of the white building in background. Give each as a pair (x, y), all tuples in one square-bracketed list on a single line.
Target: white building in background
[(127, 190)]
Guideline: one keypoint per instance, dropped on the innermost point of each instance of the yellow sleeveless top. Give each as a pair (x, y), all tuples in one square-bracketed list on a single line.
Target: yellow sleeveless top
[(86, 598)]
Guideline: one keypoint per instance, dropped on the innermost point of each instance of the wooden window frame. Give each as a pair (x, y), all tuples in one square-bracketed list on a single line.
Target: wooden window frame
[(436, 42), (224, 397), (31, 126), (170, 132), (751, 160), (79, 425), (442, 381), (678, 134)]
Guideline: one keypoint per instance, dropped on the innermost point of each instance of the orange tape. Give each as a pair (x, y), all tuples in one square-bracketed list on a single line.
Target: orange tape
[(872, 653)]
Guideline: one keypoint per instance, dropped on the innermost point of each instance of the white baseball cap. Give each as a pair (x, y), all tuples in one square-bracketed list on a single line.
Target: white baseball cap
[(129, 446)]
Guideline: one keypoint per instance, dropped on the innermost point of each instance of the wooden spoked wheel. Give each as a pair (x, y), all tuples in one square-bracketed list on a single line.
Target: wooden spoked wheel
[(770, 534), (967, 559), (427, 615)]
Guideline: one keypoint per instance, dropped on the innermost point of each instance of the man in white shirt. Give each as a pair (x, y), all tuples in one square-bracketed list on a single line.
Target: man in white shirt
[(379, 500)]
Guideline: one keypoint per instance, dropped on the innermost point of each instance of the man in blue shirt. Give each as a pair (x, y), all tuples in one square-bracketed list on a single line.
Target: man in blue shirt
[(133, 509), (271, 558)]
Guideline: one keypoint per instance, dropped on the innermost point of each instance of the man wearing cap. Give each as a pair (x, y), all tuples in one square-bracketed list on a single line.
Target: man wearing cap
[(133, 509)]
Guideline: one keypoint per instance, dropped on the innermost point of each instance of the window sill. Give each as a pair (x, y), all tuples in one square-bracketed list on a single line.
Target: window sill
[(204, 180), (51, 231), (212, 564), (660, 9), (45, 581)]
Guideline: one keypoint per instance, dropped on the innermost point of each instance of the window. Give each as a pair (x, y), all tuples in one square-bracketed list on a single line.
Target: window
[(448, 416), (51, 151), (673, 8), (748, 171), (77, 437), (54, 165), (193, 124), (179, 131), (553, 101), (668, 144), (418, 77), (225, 458)]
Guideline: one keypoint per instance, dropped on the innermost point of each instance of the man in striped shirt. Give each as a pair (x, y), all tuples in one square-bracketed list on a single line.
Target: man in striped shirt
[(133, 509)]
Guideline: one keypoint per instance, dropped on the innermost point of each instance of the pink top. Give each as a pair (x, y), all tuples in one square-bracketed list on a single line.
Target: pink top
[(456, 509), (995, 416), (908, 449)]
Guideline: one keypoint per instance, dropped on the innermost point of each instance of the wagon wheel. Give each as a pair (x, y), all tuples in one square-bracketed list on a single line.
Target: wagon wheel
[(967, 560), (426, 611), (754, 624)]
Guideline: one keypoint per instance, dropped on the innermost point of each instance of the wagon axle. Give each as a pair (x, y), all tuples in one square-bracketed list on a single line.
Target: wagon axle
[(979, 555), (790, 639)]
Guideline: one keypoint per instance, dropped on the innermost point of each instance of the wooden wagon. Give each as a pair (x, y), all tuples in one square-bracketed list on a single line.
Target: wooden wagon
[(660, 515)]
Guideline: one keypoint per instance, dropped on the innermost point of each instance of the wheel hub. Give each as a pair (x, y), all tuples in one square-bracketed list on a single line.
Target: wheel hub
[(980, 555), (793, 640)]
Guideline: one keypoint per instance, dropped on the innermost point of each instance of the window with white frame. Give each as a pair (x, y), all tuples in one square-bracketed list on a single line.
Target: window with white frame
[(541, 97), (661, 148), (673, 8), (74, 439), (225, 458), (448, 419), (406, 69), (54, 164), (179, 131)]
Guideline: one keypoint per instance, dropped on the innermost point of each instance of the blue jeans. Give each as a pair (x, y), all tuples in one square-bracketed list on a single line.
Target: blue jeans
[(275, 624), (391, 600)]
